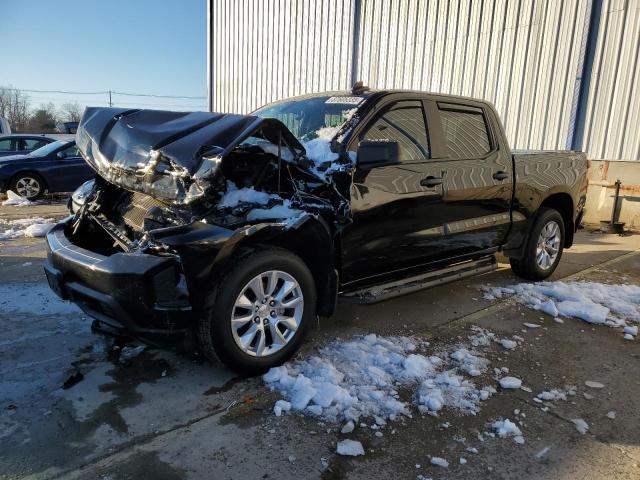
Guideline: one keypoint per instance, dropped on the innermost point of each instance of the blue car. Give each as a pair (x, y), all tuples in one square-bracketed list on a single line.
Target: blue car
[(21, 144), (56, 167)]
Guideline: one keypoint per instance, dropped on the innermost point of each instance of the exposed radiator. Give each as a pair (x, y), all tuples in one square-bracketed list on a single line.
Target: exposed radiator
[(136, 211)]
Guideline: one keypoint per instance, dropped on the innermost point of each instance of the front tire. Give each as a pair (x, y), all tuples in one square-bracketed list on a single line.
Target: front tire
[(258, 314), (544, 247)]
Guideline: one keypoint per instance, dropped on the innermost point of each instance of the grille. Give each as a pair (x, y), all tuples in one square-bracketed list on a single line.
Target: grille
[(136, 211)]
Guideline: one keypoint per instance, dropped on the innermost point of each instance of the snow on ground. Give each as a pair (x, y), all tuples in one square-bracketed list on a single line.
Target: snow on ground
[(351, 448), (510, 383), (16, 200), (439, 462), (34, 299), (556, 394), (350, 380), (615, 305), (581, 425), (25, 227), (506, 428)]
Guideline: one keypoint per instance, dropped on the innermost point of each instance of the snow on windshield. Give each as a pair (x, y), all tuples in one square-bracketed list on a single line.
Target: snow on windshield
[(315, 122)]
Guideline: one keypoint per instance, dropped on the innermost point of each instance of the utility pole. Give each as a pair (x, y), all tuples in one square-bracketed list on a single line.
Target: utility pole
[(110, 104)]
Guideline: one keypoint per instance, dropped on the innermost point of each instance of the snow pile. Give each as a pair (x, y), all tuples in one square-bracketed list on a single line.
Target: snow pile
[(25, 227), (361, 377), (557, 394), (580, 425), (351, 448), (319, 149), (16, 200), (278, 211), (235, 196), (512, 383), (439, 462), (596, 303), (506, 428), (483, 338)]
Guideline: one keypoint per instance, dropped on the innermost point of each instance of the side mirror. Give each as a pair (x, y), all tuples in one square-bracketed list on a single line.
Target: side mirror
[(378, 152), (61, 155)]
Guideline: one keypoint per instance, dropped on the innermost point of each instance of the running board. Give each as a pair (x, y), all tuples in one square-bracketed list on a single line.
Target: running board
[(397, 288)]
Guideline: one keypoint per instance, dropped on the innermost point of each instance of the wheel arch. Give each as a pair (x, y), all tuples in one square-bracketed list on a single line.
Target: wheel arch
[(18, 174), (563, 203), (313, 243)]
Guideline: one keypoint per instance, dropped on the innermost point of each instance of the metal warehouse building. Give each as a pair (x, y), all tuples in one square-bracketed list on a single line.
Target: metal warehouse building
[(562, 73)]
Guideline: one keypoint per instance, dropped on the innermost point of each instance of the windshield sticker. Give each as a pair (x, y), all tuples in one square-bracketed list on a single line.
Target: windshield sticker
[(349, 100)]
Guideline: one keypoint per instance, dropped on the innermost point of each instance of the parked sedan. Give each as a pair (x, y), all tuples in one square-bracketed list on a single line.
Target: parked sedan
[(17, 144), (56, 167)]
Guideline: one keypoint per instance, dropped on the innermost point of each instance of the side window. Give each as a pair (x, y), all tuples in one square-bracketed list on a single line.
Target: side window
[(404, 123), (465, 132), (34, 143), (6, 145), (72, 151)]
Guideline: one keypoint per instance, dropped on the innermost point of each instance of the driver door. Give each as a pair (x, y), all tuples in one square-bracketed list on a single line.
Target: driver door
[(391, 204)]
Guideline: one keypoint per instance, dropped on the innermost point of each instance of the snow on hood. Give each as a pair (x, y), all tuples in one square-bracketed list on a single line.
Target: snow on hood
[(169, 155)]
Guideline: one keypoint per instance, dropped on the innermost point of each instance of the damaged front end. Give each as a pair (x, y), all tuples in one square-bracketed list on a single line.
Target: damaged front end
[(175, 195)]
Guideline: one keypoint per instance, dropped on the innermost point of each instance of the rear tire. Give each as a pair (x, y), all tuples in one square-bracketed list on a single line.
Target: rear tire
[(544, 247), (28, 185), (228, 329)]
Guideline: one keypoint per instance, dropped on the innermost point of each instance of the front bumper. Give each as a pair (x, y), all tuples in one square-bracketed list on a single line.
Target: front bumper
[(134, 293)]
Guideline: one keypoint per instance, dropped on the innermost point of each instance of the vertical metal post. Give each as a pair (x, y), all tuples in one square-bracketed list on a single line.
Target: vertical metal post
[(616, 199), (577, 126), (355, 42), (110, 102), (209, 53)]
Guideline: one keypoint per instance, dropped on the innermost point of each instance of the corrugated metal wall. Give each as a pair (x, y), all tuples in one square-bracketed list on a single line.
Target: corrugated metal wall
[(522, 55), (265, 50), (612, 130)]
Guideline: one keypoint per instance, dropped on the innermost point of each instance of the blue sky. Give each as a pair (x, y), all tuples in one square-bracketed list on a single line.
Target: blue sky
[(138, 46)]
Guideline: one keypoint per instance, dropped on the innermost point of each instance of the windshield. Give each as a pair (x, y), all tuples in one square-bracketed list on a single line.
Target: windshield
[(307, 116), (47, 149)]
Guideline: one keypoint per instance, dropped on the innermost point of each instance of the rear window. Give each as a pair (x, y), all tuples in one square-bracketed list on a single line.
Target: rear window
[(465, 132)]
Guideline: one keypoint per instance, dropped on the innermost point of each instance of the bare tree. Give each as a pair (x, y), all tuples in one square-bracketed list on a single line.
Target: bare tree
[(71, 112), (14, 106)]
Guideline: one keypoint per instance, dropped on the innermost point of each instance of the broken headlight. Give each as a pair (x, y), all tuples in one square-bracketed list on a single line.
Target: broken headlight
[(80, 195)]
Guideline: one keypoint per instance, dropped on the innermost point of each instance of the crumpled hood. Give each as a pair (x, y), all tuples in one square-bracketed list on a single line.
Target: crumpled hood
[(169, 155)]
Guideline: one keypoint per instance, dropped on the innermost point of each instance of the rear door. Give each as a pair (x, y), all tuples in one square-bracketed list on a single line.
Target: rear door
[(477, 184)]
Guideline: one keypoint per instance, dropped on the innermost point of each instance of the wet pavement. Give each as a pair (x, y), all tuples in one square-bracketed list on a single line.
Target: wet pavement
[(133, 412)]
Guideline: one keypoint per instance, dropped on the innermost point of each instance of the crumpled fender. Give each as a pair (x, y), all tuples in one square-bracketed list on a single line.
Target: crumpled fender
[(204, 250)]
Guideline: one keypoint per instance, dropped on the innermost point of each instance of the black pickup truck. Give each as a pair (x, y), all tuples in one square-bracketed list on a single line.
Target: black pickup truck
[(231, 233)]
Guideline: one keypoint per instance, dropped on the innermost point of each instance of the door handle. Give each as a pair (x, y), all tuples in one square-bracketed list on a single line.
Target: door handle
[(431, 181), (500, 175)]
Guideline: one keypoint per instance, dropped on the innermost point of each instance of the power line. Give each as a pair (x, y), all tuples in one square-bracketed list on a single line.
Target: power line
[(157, 96), (59, 91), (105, 92)]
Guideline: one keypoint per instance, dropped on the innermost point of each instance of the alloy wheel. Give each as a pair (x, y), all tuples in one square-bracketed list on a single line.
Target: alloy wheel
[(548, 245), (267, 313), (28, 187)]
